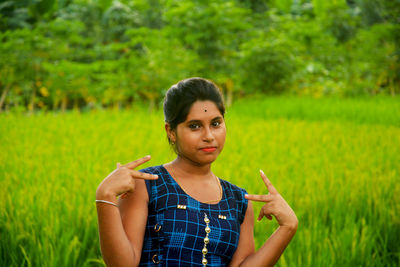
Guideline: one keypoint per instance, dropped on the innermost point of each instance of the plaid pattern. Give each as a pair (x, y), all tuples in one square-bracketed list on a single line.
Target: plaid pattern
[(180, 240)]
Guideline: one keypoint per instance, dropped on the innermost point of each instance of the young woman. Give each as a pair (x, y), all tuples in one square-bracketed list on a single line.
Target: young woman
[(181, 213)]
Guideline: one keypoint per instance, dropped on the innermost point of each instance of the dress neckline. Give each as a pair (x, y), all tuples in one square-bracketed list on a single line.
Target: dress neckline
[(183, 191)]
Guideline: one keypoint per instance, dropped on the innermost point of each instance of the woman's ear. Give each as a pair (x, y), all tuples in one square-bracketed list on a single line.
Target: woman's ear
[(170, 133)]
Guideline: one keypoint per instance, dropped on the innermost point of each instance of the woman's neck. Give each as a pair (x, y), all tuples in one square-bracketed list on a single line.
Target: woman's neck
[(188, 168)]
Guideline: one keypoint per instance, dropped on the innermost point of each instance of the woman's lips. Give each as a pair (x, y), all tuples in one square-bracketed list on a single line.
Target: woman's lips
[(209, 149)]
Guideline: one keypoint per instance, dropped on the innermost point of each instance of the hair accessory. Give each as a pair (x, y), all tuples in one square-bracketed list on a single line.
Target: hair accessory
[(107, 202)]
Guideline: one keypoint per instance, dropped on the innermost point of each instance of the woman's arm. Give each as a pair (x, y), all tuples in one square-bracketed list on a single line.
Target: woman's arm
[(121, 229), (273, 248)]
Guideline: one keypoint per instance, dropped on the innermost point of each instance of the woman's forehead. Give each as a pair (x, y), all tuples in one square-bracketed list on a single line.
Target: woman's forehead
[(202, 110)]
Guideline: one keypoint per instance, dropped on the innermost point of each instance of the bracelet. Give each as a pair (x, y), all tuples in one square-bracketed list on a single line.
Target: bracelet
[(107, 202)]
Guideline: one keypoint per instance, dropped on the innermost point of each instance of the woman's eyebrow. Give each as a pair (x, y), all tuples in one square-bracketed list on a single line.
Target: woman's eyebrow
[(194, 121), (199, 121), (217, 118)]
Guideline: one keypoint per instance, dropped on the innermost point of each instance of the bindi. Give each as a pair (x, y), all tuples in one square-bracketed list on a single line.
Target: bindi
[(205, 110)]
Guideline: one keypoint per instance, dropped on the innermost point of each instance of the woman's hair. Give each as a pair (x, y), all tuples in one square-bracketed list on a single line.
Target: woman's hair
[(180, 97)]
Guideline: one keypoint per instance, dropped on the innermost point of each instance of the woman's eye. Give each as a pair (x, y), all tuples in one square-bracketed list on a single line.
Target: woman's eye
[(216, 123), (194, 126)]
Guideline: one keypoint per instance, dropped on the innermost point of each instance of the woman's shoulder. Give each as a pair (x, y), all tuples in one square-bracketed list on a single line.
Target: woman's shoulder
[(232, 187), (158, 169), (236, 193), (152, 186)]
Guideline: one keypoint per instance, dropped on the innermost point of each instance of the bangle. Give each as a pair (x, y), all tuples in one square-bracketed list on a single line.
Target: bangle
[(107, 202)]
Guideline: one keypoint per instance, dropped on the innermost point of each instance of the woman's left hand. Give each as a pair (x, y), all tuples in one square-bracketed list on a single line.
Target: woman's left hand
[(275, 205)]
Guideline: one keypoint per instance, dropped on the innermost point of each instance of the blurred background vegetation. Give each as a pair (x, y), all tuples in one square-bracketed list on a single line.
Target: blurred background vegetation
[(87, 54), (333, 154)]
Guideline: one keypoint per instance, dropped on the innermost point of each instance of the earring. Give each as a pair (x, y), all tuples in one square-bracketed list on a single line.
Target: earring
[(173, 142)]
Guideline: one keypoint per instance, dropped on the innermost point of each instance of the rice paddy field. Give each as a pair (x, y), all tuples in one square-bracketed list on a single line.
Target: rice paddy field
[(335, 161)]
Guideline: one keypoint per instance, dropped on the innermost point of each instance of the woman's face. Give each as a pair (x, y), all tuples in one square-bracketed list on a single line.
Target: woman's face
[(201, 137)]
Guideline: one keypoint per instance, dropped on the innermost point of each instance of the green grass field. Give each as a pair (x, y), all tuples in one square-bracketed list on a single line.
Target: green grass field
[(337, 163)]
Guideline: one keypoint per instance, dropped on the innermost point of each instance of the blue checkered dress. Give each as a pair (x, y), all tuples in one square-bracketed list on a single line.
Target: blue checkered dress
[(175, 234)]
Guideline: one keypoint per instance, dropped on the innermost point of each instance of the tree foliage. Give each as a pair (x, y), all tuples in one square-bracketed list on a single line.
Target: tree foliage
[(92, 54)]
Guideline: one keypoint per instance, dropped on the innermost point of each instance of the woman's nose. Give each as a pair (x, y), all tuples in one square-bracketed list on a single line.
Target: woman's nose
[(208, 135)]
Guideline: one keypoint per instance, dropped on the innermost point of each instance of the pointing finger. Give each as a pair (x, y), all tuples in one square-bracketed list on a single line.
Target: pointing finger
[(259, 198), (143, 175), (268, 183), (135, 163)]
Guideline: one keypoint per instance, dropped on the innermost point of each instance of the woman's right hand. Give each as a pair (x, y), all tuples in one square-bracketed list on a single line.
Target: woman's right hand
[(122, 180)]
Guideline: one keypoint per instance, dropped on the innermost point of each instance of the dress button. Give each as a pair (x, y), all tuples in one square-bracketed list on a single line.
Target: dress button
[(157, 227), (155, 259)]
